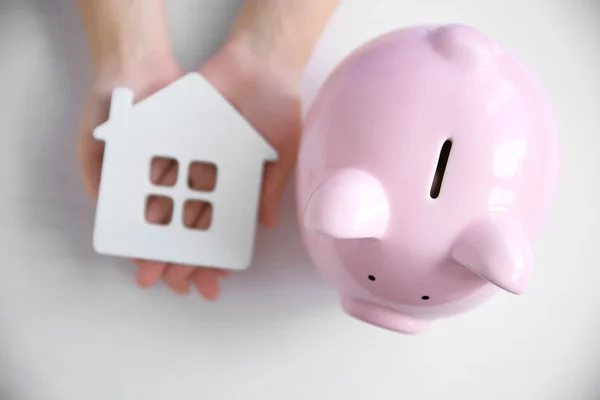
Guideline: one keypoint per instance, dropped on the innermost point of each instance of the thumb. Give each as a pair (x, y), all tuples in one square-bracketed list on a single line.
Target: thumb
[(276, 177), (89, 150), (90, 158)]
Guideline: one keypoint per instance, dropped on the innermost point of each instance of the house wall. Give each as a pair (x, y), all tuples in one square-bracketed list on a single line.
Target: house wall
[(229, 241)]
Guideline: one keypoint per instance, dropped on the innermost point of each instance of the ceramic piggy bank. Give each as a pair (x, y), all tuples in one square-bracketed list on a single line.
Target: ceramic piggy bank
[(429, 161)]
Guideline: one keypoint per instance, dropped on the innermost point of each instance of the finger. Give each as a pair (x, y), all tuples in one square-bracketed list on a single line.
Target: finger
[(222, 273), (159, 209), (177, 278), (164, 171), (202, 177), (197, 215), (149, 272), (205, 279), (90, 151), (276, 177), (90, 159), (207, 283), (175, 275)]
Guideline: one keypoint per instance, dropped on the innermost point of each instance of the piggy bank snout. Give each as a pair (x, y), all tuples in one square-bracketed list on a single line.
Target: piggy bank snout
[(352, 204)]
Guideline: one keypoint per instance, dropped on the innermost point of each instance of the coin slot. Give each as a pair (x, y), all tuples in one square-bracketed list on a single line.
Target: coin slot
[(438, 178)]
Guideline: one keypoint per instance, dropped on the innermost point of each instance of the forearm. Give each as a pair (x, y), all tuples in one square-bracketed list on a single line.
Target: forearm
[(124, 32), (287, 28)]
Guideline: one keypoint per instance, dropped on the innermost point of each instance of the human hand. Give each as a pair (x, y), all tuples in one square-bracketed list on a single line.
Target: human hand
[(144, 78), (258, 70), (130, 47), (268, 97)]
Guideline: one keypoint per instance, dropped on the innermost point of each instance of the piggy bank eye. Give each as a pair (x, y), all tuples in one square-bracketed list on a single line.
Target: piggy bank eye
[(436, 185), (371, 278), (425, 298)]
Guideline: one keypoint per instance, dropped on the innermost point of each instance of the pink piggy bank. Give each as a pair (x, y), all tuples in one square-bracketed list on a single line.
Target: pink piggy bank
[(429, 161)]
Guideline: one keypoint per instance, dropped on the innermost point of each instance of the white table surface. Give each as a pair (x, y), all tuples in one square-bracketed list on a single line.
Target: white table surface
[(73, 326)]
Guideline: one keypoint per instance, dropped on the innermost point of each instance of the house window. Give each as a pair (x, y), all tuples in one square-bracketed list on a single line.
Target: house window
[(159, 210), (196, 214), (202, 176), (164, 171)]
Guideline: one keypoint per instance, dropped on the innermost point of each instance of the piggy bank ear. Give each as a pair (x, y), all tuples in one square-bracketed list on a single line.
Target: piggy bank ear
[(497, 249), (351, 204), (464, 46)]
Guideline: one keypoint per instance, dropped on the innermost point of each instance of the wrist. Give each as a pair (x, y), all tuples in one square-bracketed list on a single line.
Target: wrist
[(154, 69), (245, 78), (252, 60), (272, 50), (123, 34), (126, 60), (282, 32)]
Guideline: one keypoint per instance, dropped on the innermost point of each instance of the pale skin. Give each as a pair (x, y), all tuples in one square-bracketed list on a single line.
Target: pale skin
[(258, 70)]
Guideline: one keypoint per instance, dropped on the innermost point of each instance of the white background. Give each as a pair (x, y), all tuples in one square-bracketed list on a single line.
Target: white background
[(73, 326)]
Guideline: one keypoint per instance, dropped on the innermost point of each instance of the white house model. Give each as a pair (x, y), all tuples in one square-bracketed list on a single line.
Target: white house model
[(189, 121)]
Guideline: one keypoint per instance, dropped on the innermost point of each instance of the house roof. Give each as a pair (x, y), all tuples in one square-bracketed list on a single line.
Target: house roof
[(189, 111)]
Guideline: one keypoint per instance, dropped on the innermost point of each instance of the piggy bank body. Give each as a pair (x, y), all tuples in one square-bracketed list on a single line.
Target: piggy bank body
[(428, 163)]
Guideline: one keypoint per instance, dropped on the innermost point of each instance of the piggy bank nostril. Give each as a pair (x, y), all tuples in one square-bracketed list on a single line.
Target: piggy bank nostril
[(425, 297), (371, 278)]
